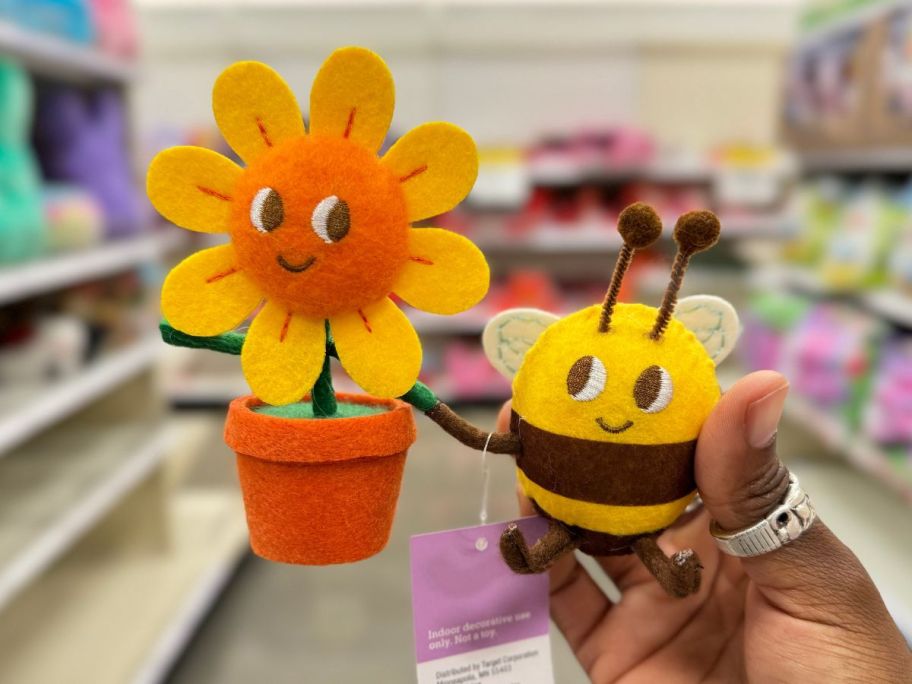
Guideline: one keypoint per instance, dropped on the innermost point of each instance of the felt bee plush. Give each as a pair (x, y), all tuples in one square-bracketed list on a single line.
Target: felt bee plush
[(607, 406)]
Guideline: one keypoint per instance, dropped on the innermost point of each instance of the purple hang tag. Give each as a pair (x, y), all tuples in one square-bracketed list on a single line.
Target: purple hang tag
[(475, 619)]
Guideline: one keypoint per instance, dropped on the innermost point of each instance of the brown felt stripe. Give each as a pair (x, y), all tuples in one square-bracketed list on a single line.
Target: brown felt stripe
[(605, 472)]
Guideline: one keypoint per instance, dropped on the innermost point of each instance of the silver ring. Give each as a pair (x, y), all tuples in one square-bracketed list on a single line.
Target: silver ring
[(788, 521)]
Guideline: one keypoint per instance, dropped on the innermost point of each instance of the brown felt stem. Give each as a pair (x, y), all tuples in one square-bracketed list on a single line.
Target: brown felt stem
[(611, 297), (468, 434), (523, 560), (679, 575), (671, 294)]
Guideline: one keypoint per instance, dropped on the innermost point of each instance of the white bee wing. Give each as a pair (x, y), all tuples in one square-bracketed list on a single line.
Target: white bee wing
[(509, 335), (713, 320)]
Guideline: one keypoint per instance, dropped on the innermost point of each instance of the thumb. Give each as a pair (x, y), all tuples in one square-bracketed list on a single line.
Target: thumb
[(741, 480)]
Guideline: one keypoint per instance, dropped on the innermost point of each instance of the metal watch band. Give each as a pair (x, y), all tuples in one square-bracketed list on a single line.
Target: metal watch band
[(788, 521)]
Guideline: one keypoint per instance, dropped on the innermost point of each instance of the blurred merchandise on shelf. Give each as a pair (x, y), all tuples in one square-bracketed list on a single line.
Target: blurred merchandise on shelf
[(116, 27), (888, 417), (56, 335), (50, 347), (67, 19), (566, 191), (80, 139), (22, 227), (73, 217), (830, 355)]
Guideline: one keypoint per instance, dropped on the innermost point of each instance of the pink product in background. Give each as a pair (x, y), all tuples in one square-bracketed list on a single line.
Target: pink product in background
[(115, 27), (470, 373), (889, 416), (761, 346), (827, 354)]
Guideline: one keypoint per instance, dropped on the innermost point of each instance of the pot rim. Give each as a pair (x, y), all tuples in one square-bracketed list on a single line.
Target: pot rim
[(320, 440)]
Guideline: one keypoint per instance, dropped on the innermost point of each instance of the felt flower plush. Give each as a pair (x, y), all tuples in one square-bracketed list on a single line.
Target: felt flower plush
[(320, 227)]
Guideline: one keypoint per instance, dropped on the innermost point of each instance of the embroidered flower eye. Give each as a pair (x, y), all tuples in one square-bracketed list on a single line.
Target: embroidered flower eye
[(653, 389), (267, 211), (586, 379), (331, 219)]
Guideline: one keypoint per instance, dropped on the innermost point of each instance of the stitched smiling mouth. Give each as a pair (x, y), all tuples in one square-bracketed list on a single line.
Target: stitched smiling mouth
[(610, 428), (295, 268)]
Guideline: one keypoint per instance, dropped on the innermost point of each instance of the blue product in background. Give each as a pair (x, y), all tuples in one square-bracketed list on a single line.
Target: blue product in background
[(22, 228), (67, 19)]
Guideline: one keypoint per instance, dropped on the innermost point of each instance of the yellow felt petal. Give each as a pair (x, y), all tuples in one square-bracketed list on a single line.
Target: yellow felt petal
[(353, 97), (446, 273), (206, 294), (436, 164), (283, 354), (192, 186), (255, 109), (378, 348)]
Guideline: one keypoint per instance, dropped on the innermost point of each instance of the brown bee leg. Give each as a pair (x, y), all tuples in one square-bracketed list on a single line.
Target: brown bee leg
[(523, 560), (678, 575)]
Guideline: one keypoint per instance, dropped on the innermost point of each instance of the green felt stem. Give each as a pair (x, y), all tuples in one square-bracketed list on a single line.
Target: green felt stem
[(324, 397)]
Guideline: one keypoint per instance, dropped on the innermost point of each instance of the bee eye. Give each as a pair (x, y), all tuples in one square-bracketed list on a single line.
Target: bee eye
[(331, 219), (266, 210), (653, 389), (586, 379)]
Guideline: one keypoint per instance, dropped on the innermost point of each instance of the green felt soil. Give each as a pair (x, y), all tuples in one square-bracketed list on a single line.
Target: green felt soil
[(304, 409)]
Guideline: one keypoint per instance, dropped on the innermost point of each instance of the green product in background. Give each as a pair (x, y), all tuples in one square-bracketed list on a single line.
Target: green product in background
[(22, 224)]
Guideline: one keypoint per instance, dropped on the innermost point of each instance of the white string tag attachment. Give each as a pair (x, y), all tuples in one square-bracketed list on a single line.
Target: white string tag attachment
[(481, 543)]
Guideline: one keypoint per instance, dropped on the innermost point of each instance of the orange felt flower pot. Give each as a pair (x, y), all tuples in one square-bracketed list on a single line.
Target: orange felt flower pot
[(320, 490)]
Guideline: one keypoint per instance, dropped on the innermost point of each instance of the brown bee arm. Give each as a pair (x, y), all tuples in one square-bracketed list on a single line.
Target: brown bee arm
[(468, 434)]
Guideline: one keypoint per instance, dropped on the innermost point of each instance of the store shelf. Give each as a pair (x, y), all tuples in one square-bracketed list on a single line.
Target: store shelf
[(25, 409), (44, 275), (125, 614), (51, 56), (893, 305), (602, 237), (857, 449), (889, 304), (888, 159), (59, 485), (466, 323)]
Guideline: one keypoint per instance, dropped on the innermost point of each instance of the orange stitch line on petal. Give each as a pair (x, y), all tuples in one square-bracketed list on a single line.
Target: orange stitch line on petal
[(366, 322), (285, 327), (351, 122), (414, 172), (263, 132), (213, 193), (222, 274), (422, 260)]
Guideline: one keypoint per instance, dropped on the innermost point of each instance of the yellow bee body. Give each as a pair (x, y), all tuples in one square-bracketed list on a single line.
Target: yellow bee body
[(608, 403)]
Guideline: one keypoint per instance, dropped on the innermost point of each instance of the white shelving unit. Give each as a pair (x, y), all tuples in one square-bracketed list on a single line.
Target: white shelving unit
[(57, 487), (147, 603), (26, 410), (51, 56), (856, 449), (56, 272), (108, 559)]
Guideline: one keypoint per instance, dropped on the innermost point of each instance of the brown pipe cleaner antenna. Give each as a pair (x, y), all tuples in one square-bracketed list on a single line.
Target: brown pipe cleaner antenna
[(639, 226), (694, 232)]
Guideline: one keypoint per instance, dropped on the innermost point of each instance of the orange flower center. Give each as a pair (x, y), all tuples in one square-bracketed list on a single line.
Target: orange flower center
[(320, 225)]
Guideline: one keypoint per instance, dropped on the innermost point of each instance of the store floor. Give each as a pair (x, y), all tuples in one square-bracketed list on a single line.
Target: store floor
[(352, 623)]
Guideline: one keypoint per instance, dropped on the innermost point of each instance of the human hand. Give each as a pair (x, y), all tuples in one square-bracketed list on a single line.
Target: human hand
[(806, 612)]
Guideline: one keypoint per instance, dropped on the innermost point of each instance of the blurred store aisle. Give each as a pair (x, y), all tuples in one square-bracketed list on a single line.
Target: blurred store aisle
[(351, 623)]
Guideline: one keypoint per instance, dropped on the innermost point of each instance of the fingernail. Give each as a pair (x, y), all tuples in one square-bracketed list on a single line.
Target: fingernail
[(762, 418)]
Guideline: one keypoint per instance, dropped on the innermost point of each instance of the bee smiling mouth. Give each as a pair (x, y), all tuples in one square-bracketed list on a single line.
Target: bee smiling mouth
[(610, 428), (295, 268)]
